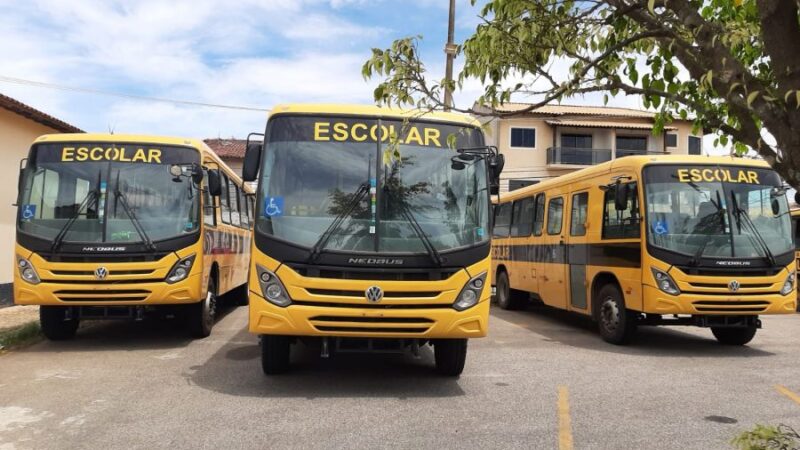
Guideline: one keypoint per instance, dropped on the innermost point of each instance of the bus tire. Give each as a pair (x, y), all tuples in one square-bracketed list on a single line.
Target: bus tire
[(203, 313), (275, 353), (734, 336), (616, 323), (450, 356), (506, 297), (55, 325)]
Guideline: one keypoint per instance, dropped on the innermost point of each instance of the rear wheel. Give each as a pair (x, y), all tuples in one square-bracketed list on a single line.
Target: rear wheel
[(450, 355), (56, 324), (616, 323), (203, 314), (275, 352), (507, 298), (734, 336)]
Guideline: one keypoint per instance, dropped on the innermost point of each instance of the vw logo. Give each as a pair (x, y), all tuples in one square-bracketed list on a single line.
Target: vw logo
[(733, 286), (100, 273), (374, 294)]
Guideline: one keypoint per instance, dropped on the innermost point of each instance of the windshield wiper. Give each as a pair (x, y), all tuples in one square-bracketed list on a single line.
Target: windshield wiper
[(756, 236), (59, 239), (358, 195), (432, 252), (123, 200)]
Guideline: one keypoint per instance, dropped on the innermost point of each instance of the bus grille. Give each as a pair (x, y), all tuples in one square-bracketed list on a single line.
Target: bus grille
[(376, 274), (724, 285), (360, 294), (730, 272), (115, 295), (91, 272), (729, 306), (360, 324)]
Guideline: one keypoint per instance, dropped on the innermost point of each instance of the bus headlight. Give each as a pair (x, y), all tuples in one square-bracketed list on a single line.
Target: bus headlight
[(180, 270), (788, 285), (271, 288), (26, 271), (665, 282), (471, 293)]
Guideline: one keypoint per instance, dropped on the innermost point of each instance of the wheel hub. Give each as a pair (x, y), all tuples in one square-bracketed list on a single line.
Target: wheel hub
[(609, 314)]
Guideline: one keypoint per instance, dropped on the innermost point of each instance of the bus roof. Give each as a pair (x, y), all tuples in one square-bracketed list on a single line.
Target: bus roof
[(631, 163), (372, 111), (107, 137)]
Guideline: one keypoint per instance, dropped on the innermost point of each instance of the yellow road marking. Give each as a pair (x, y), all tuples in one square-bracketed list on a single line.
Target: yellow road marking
[(785, 391), (564, 421)]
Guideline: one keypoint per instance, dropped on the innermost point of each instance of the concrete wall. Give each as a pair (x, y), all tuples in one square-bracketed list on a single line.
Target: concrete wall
[(16, 135)]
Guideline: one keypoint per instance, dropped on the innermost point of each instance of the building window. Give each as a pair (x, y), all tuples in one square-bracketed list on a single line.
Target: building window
[(523, 137), (695, 145), (576, 140), (555, 215), (638, 143), (672, 140)]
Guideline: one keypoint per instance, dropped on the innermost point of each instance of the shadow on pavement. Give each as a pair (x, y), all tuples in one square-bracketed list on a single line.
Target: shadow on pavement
[(152, 333), (236, 370), (575, 330)]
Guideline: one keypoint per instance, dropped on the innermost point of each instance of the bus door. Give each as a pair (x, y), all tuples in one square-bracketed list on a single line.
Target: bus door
[(552, 282), (577, 250)]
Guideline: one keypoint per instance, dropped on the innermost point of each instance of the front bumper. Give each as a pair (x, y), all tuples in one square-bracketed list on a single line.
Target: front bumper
[(305, 320), (657, 302)]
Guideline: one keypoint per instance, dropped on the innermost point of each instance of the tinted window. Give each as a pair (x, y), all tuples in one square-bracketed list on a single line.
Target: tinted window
[(538, 220), (695, 145), (523, 217), (580, 205), (224, 200), (209, 212), (523, 137), (624, 223), (576, 140), (502, 220), (555, 213), (672, 140)]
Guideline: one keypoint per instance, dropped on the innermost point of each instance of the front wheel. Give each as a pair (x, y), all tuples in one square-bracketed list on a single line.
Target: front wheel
[(506, 297), (616, 323), (275, 352), (203, 314), (735, 335), (56, 324), (450, 356)]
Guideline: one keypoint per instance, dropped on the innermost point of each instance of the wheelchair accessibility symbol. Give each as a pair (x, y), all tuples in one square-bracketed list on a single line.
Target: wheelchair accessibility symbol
[(273, 206), (28, 211), (661, 228)]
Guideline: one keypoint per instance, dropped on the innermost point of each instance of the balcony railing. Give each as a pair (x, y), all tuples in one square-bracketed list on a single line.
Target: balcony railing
[(626, 152), (578, 156)]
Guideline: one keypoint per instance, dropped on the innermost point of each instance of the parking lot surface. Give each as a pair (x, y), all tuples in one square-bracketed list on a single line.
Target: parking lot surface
[(542, 379)]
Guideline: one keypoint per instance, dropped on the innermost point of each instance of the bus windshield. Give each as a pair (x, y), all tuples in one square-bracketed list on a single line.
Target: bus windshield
[(717, 212), (108, 191), (320, 169)]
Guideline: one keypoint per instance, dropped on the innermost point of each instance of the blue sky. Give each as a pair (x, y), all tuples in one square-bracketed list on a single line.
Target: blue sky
[(247, 52)]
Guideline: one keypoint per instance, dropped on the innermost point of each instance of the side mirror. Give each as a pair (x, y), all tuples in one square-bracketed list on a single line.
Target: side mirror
[(776, 207), (214, 185), (252, 158), (621, 197), (797, 197), (197, 174), (23, 163), (496, 166)]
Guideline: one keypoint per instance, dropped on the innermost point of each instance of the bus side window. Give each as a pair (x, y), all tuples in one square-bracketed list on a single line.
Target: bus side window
[(624, 223), (502, 220), (224, 200), (538, 220), (209, 212), (233, 196), (580, 204), (555, 215), (243, 213), (522, 222), (251, 209)]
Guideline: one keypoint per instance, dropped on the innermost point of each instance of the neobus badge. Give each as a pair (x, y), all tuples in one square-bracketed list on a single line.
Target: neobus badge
[(122, 154), (718, 174)]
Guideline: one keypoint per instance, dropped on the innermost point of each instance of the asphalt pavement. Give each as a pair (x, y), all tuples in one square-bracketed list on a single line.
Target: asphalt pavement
[(542, 379)]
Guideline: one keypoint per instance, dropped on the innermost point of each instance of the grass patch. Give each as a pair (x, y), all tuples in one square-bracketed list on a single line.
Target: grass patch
[(768, 437), (20, 336)]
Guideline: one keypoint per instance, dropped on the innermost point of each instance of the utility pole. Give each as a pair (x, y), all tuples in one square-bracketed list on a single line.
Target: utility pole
[(450, 51)]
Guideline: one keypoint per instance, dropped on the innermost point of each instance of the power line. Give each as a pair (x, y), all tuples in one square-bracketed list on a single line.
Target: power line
[(62, 87)]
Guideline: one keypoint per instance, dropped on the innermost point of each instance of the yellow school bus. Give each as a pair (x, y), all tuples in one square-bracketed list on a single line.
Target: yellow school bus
[(119, 226), (371, 232), (795, 213), (644, 240)]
